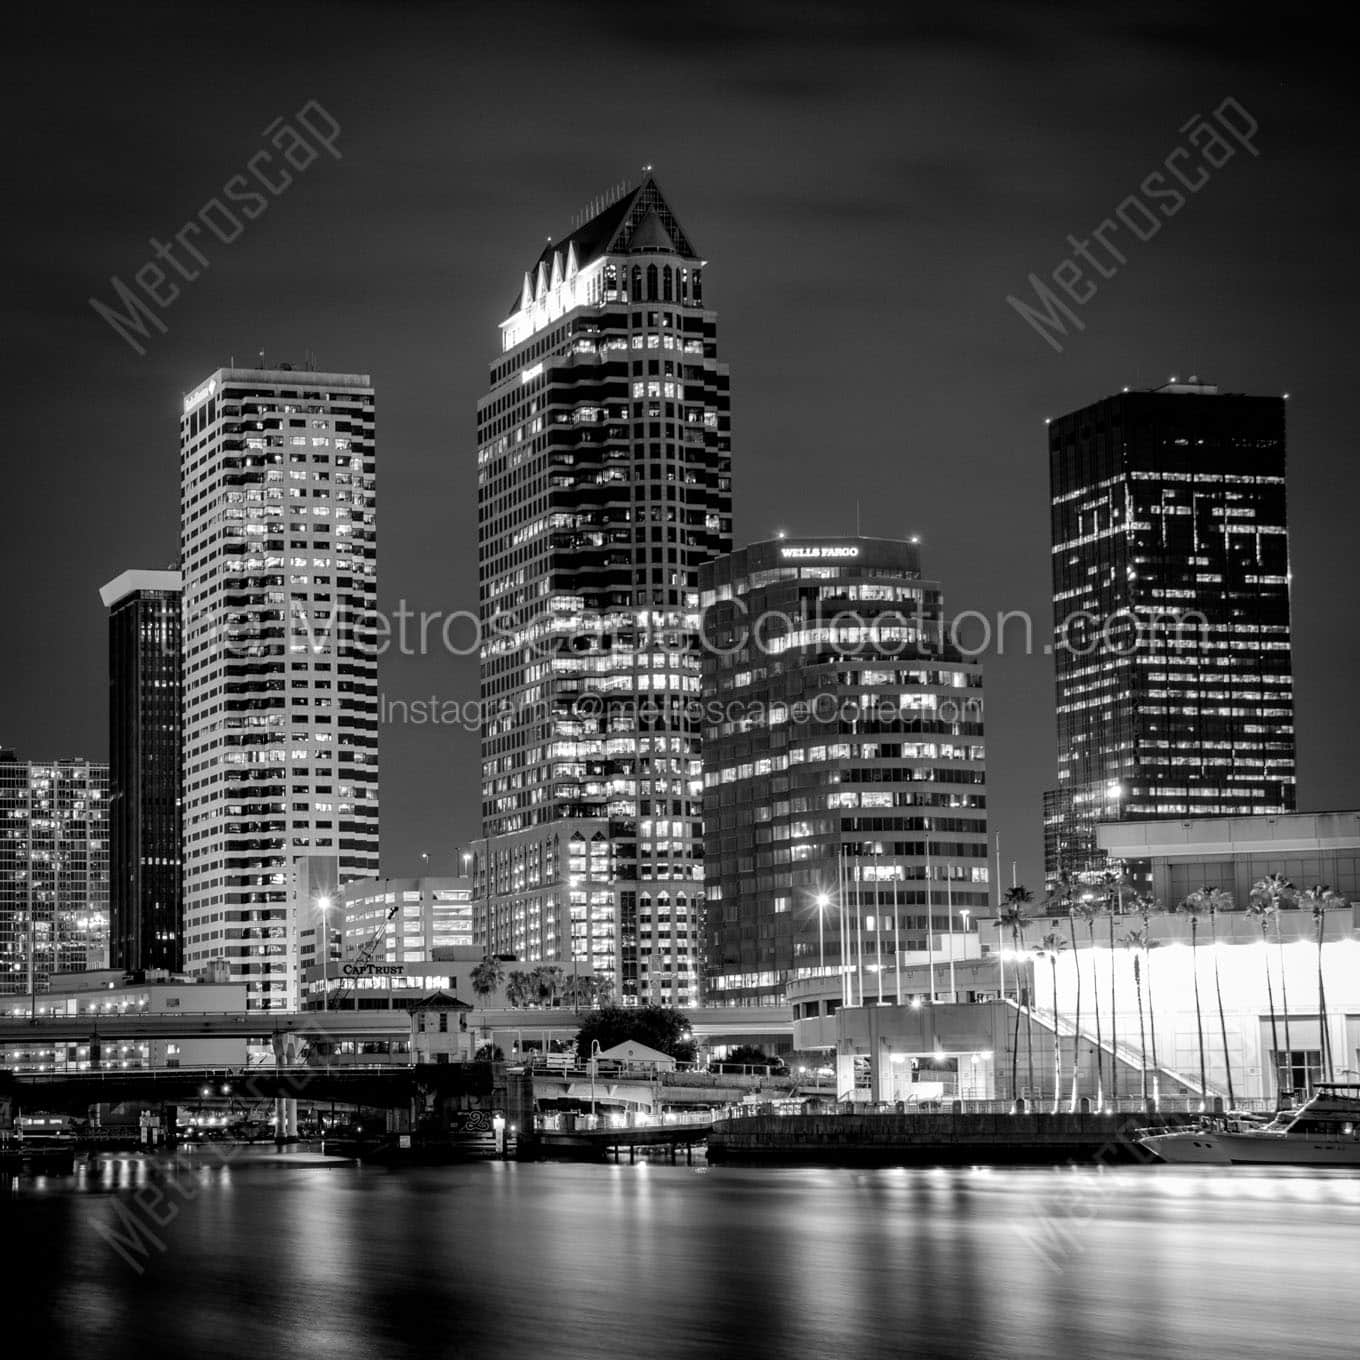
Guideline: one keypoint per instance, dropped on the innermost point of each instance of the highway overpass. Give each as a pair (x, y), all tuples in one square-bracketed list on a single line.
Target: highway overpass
[(713, 1024)]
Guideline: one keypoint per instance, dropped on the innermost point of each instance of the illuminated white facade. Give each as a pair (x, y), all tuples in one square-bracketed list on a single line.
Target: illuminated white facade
[(603, 483), (1244, 956), (280, 669)]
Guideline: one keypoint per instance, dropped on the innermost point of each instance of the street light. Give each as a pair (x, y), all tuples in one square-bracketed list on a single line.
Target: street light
[(594, 1053), (823, 902), (965, 912), (324, 905)]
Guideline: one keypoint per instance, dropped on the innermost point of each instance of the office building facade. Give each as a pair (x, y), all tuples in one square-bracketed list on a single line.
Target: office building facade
[(146, 728), (278, 553), (844, 770), (408, 917), (603, 483), (54, 870), (1171, 613)]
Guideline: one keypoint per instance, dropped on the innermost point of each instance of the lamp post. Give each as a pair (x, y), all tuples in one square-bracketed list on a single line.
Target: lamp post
[(823, 902), (323, 904), (965, 912), (878, 916), (594, 1052)]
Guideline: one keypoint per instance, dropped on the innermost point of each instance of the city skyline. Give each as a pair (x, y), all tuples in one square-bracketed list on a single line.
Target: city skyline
[(800, 314)]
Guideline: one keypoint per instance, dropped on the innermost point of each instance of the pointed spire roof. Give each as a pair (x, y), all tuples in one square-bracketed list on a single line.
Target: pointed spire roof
[(641, 222)]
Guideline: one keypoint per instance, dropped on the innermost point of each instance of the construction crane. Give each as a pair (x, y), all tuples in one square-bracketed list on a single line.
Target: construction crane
[(364, 957)]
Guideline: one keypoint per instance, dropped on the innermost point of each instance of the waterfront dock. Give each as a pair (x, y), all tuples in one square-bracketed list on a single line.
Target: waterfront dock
[(935, 1139)]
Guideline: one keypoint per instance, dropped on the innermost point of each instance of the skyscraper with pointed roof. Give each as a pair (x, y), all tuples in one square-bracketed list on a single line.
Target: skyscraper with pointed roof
[(604, 481)]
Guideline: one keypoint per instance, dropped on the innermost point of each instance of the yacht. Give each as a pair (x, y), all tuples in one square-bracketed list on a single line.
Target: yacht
[(1325, 1131)]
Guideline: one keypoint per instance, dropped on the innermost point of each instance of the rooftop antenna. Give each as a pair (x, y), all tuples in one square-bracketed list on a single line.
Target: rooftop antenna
[(857, 532)]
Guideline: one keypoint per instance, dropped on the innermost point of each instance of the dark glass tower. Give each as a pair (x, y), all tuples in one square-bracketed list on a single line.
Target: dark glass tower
[(1171, 613), (603, 483), (845, 794), (146, 729)]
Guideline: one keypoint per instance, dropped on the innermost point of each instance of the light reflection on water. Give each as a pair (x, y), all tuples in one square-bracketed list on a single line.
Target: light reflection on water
[(655, 1260)]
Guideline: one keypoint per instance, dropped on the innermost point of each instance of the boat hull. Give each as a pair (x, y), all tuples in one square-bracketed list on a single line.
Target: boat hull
[(1253, 1149)]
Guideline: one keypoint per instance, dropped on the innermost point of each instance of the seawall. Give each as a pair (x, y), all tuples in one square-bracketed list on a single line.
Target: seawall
[(930, 1139)]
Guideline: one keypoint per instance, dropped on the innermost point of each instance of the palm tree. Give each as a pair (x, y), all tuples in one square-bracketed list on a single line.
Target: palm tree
[(1147, 904), (520, 989), (1192, 907), (1320, 898), (1137, 940), (1112, 883), (1264, 908), (1088, 908), (1063, 898), (1279, 892), (1050, 947), (546, 981), (486, 977), (1216, 900), (577, 991), (1013, 918)]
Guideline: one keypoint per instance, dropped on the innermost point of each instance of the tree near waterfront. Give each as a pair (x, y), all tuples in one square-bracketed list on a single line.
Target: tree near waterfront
[(1064, 899), (1264, 909), (1049, 948), (519, 988), (583, 991), (546, 981), (486, 977), (1192, 907), (1320, 899), (1013, 919), (1088, 908), (660, 1027), (1146, 904), (1113, 882), (1216, 900), (1136, 941), (1279, 892)]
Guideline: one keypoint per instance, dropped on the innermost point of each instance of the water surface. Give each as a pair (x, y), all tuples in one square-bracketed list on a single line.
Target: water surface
[(652, 1260)]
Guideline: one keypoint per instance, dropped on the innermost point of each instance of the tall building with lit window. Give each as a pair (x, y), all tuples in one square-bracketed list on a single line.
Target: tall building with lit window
[(54, 870), (409, 918), (277, 549), (146, 728), (603, 483), (1171, 613), (845, 794)]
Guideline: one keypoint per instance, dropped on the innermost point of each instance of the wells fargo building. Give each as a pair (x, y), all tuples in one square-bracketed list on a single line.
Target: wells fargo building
[(845, 798)]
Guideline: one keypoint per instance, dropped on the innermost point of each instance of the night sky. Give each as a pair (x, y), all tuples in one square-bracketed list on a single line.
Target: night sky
[(868, 185)]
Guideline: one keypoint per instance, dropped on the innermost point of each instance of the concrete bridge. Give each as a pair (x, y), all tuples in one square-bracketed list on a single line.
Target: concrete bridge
[(524, 1027), (372, 1087)]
